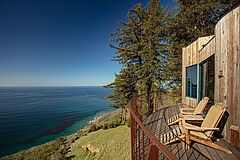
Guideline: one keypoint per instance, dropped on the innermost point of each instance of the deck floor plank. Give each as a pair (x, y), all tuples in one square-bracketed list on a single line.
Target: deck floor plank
[(234, 149), (157, 125), (212, 152), (224, 155)]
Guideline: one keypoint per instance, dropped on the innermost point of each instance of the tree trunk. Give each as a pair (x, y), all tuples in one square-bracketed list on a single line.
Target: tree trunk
[(125, 116), (149, 102), (121, 117), (155, 101)]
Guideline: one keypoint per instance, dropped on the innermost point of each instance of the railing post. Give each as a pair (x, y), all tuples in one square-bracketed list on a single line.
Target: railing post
[(132, 136), (152, 145), (139, 143), (143, 145), (152, 152)]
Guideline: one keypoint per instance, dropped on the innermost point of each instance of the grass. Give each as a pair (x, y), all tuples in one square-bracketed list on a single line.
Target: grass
[(110, 144)]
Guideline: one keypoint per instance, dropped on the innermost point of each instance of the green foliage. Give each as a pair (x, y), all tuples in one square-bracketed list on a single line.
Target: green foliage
[(141, 48), (129, 122), (105, 126), (149, 46), (94, 127), (119, 122), (112, 124)]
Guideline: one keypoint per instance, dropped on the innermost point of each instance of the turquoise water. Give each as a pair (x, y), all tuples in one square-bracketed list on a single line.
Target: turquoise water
[(32, 116)]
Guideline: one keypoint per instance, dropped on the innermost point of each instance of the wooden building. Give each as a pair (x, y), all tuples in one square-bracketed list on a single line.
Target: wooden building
[(211, 67)]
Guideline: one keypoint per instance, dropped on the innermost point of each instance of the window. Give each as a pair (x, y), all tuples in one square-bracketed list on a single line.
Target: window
[(207, 76), (191, 80)]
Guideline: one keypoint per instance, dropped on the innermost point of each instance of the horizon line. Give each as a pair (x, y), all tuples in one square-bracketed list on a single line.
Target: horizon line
[(56, 86)]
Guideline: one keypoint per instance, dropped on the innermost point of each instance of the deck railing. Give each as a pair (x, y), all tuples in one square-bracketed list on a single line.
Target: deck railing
[(144, 145)]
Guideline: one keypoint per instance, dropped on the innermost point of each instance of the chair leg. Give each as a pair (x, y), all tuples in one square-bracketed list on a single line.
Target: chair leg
[(187, 139), (211, 144), (184, 144)]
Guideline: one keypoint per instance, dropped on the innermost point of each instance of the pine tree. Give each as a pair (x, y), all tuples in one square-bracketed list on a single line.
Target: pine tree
[(154, 53), (123, 90), (126, 41), (141, 49)]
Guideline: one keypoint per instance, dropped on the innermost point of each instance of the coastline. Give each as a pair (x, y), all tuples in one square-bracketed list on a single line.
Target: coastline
[(36, 115), (58, 149)]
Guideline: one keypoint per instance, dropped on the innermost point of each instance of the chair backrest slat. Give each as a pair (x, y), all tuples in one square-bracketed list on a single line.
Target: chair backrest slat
[(201, 106), (213, 117)]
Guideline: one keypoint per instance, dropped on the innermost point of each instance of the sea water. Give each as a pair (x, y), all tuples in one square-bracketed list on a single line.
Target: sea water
[(34, 115)]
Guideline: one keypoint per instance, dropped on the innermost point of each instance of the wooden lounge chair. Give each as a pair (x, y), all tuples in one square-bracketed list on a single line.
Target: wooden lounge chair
[(203, 134), (198, 110), (189, 111)]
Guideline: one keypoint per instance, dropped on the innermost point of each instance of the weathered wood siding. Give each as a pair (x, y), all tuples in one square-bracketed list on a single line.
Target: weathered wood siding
[(225, 45), (227, 63), (193, 54)]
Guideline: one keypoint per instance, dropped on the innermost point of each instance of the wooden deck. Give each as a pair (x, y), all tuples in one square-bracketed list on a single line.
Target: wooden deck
[(156, 123)]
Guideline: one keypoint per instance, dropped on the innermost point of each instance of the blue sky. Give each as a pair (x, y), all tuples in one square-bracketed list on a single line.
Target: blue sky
[(59, 42)]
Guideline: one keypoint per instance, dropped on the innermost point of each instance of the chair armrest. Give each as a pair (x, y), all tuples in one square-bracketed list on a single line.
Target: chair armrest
[(187, 113), (190, 113), (188, 109), (198, 129), (181, 105)]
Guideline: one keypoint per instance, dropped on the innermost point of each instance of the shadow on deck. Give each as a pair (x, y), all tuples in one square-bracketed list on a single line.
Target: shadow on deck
[(156, 124)]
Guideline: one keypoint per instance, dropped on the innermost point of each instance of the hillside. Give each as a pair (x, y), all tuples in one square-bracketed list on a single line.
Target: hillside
[(110, 144)]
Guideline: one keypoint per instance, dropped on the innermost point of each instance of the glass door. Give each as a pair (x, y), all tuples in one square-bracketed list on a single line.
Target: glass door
[(206, 78)]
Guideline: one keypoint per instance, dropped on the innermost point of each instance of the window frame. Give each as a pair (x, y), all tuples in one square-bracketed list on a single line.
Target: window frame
[(190, 95)]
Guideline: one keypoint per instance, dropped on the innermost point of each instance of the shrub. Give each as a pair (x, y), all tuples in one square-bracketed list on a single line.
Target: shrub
[(119, 122), (128, 122), (93, 128), (111, 125), (100, 127), (115, 124), (105, 126)]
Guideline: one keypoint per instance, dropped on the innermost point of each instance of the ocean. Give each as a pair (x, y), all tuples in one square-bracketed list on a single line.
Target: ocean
[(34, 115)]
